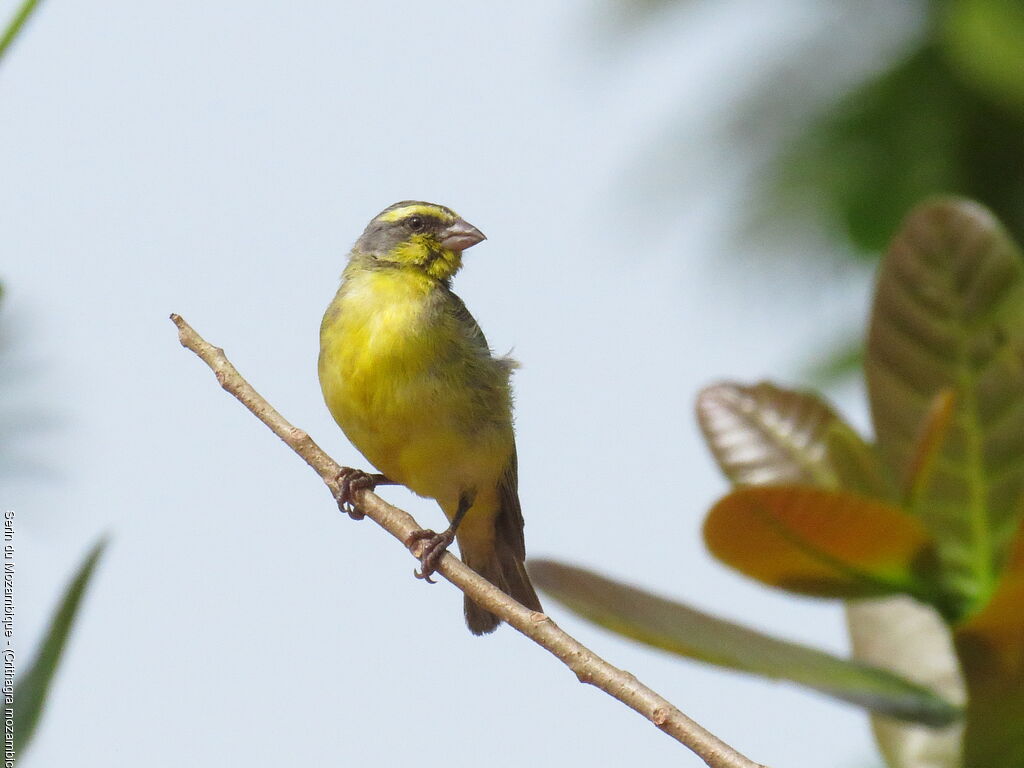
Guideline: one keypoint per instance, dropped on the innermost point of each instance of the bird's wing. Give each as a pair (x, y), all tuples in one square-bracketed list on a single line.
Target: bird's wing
[(469, 325), (509, 524), (475, 336)]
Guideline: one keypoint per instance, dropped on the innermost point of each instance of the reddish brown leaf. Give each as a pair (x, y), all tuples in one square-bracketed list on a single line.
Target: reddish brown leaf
[(818, 542)]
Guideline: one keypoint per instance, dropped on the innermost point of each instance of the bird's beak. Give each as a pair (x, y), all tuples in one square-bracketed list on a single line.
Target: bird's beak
[(460, 235)]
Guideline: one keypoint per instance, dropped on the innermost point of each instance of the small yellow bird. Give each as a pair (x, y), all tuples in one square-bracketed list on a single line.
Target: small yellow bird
[(407, 374)]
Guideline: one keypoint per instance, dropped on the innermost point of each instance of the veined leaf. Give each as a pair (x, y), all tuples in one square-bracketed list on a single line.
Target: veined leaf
[(949, 313), (682, 630), (766, 435), (819, 542), (32, 686), (991, 649)]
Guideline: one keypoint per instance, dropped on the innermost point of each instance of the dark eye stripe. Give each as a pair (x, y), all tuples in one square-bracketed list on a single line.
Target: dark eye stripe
[(419, 222)]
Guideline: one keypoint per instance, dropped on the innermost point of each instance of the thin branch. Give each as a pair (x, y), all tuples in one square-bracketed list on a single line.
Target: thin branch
[(587, 665)]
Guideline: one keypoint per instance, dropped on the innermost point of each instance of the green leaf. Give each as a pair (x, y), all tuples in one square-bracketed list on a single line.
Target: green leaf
[(32, 686), (985, 41), (857, 465), (949, 314), (819, 542), (685, 631), (16, 24)]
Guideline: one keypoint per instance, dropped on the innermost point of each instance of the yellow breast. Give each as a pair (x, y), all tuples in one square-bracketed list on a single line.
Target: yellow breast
[(394, 377)]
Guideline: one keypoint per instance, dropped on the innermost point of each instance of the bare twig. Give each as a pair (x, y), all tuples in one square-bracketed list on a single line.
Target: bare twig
[(587, 665)]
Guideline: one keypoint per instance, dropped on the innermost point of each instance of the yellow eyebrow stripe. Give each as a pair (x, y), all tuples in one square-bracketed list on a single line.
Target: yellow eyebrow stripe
[(411, 210)]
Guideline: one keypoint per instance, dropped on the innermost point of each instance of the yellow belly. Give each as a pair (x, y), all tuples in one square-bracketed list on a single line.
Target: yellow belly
[(394, 379)]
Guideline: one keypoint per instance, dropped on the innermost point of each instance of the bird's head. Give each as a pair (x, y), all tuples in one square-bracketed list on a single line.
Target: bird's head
[(417, 235)]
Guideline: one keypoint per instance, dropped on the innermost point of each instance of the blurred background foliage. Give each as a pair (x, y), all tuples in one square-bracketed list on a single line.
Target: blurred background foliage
[(34, 677), (848, 135), (945, 115)]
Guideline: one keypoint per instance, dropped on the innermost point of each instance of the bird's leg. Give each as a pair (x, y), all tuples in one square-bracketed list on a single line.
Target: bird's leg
[(437, 543), (351, 480)]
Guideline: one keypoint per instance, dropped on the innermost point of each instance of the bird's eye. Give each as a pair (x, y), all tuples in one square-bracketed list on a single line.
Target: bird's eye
[(416, 223)]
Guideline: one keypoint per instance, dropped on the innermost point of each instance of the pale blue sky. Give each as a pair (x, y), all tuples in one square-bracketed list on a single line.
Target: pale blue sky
[(217, 160)]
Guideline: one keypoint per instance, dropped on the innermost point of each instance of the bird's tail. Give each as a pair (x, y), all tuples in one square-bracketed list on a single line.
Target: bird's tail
[(504, 568)]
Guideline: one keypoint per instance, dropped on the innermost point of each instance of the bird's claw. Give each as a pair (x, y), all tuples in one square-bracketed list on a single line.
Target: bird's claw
[(431, 554), (349, 481)]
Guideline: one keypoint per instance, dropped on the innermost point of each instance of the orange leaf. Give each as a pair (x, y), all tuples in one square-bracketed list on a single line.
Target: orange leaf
[(819, 542)]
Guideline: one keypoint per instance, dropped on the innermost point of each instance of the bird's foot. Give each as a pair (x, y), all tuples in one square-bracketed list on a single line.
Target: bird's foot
[(351, 480), (431, 554)]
